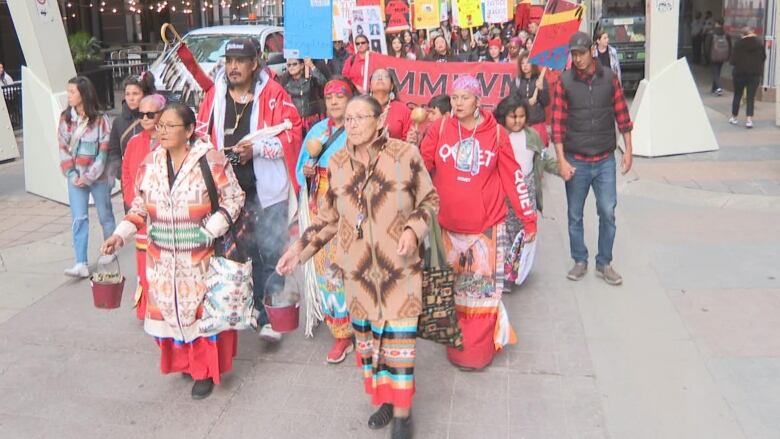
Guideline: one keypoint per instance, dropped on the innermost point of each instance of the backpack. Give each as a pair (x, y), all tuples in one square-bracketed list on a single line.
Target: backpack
[(719, 52)]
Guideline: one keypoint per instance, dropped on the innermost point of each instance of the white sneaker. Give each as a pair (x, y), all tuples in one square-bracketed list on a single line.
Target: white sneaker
[(268, 334), (733, 120), (749, 124), (719, 92), (79, 270)]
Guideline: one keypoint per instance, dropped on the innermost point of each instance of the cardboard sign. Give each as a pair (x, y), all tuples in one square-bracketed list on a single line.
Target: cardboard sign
[(310, 34), (418, 81), (497, 11), (426, 14), (367, 21), (342, 19), (470, 13), (397, 14)]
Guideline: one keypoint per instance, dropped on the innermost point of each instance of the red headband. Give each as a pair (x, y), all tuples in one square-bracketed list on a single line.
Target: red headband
[(337, 86)]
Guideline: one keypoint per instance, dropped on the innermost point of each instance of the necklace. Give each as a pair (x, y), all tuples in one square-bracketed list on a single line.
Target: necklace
[(230, 131), (467, 156)]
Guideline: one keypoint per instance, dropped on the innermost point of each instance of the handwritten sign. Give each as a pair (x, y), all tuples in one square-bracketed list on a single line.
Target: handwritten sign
[(310, 34)]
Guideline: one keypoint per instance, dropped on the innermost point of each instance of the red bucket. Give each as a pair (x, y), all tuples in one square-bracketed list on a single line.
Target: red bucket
[(107, 295), (283, 318)]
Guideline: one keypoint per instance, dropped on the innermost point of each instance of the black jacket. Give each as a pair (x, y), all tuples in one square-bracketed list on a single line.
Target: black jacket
[(525, 89), (305, 93), (748, 56), (336, 65), (116, 149)]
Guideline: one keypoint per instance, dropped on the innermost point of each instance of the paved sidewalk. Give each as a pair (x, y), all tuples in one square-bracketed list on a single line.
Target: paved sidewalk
[(687, 348)]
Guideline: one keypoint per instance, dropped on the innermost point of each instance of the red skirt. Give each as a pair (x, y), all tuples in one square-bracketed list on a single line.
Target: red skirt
[(205, 357)]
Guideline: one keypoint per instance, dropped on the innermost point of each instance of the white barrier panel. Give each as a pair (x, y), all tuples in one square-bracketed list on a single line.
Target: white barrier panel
[(8, 148), (668, 113), (49, 66)]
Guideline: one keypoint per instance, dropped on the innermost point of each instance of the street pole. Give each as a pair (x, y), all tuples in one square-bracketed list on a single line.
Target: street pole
[(668, 114)]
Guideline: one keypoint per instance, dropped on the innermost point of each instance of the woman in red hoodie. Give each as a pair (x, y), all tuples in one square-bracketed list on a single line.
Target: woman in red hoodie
[(356, 66), (137, 149), (396, 116), (473, 167)]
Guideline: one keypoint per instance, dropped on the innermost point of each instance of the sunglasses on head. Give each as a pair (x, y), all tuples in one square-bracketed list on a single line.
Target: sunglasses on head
[(148, 115)]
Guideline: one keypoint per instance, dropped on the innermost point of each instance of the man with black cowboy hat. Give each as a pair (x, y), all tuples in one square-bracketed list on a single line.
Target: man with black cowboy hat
[(243, 100), (587, 103)]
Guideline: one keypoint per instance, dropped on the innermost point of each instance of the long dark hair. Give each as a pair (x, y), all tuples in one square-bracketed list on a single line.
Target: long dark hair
[(390, 48), (144, 81), (524, 54), (507, 106), (186, 115), (89, 99)]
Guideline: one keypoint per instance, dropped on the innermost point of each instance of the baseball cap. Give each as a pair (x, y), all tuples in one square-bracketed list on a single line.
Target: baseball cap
[(241, 47), (580, 42)]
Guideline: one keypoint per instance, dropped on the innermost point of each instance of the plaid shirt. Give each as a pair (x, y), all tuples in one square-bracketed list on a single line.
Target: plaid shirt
[(560, 106)]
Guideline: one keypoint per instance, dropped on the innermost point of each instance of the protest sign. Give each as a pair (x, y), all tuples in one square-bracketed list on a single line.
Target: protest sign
[(470, 13), (367, 21), (397, 16), (379, 3), (444, 10), (418, 81), (497, 11), (309, 35), (560, 21), (342, 19), (426, 14)]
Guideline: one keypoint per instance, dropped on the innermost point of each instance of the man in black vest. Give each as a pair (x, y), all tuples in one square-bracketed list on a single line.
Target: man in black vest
[(587, 103)]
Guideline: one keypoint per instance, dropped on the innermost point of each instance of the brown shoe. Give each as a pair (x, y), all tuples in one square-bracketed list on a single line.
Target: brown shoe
[(578, 271), (609, 275)]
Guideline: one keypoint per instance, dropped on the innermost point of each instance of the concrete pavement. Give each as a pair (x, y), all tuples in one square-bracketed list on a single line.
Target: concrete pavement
[(686, 348)]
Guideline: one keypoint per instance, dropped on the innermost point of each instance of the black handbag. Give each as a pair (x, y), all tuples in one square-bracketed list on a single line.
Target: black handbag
[(233, 244), (438, 321)]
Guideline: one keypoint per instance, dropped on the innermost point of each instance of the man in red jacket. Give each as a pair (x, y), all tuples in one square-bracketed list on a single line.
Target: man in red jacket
[(243, 100)]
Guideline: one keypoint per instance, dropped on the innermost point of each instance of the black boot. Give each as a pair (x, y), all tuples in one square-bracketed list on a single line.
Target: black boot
[(202, 388), (381, 417), (402, 428)]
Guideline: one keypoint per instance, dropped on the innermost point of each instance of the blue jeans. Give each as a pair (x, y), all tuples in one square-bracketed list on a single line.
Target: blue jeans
[(601, 176), (78, 197), (270, 238)]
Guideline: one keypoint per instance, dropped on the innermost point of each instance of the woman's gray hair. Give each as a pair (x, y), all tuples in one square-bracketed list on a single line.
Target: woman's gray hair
[(376, 108)]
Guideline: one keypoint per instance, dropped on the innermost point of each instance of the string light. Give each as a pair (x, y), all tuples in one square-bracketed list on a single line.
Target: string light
[(186, 7)]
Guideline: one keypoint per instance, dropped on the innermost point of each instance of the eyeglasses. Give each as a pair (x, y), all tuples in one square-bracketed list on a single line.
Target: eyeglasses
[(165, 128), (354, 120), (148, 115), (361, 43)]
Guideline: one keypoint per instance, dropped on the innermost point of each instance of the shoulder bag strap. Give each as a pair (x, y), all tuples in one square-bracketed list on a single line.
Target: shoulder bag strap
[(128, 131), (211, 187), (331, 139)]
